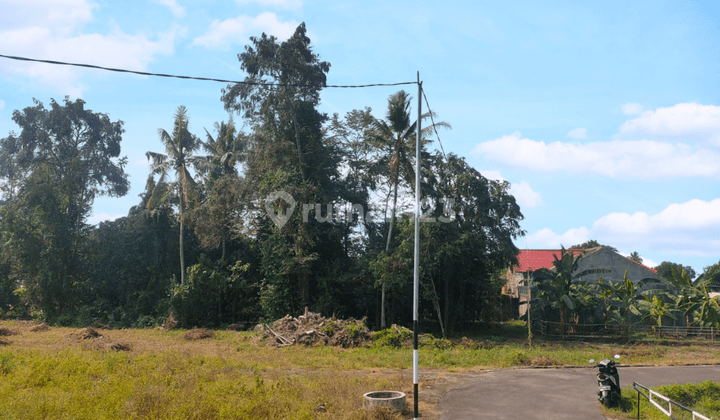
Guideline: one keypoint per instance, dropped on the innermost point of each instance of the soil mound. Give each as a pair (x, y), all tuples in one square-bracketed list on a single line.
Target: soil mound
[(312, 329), (85, 334), (6, 332), (198, 334), (120, 346), (39, 327)]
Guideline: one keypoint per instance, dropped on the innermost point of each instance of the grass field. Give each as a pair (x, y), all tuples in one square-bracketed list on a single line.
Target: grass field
[(158, 374), (703, 398)]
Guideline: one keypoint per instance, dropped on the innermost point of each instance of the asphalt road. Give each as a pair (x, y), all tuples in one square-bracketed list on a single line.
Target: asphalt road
[(553, 394)]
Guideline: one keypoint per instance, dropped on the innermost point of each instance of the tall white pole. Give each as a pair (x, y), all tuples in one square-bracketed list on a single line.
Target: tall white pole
[(416, 276)]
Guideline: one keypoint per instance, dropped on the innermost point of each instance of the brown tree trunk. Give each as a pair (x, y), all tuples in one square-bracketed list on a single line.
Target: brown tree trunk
[(383, 324), (182, 254)]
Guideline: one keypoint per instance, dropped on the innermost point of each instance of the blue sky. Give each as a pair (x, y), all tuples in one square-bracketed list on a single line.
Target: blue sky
[(604, 116)]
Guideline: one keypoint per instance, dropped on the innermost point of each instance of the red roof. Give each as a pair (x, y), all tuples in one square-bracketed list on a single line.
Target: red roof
[(533, 259)]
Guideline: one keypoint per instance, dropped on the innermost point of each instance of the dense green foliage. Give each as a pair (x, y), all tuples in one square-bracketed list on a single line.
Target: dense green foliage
[(344, 183), (562, 296), (666, 267), (51, 173)]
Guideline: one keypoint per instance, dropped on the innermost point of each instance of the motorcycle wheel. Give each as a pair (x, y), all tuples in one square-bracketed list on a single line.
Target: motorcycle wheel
[(606, 399)]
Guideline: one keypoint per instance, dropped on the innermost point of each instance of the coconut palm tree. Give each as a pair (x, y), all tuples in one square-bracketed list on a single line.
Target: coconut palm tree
[(215, 216), (178, 157), (224, 151), (395, 137)]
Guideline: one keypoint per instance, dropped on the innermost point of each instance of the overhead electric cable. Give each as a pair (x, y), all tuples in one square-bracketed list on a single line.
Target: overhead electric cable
[(433, 122), (142, 73)]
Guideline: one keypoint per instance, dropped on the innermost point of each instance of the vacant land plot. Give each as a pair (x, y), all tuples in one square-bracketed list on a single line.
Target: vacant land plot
[(97, 373)]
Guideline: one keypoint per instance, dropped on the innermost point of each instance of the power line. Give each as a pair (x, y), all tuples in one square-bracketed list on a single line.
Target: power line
[(142, 73), (433, 121)]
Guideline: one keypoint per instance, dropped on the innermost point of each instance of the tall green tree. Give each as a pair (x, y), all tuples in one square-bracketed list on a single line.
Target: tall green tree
[(218, 216), (180, 147), (395, 137), (51, 173), (665, 268), (287, 152), (467, 234)]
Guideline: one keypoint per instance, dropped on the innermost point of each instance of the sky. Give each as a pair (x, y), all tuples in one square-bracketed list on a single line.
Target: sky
[(604, 116)]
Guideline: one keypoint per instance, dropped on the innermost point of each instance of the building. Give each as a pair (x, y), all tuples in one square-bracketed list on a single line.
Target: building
[(593, 258)]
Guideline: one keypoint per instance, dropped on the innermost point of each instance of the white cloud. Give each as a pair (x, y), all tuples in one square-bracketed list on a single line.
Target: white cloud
[(2, 104), (648, 262), (632, 109), (578, 133), (103, 217), (546, 238), (177, 10), (494, 175), (645, 261), (687, 121), (626, 159), (524, 195), (281, 4), (680, 229), (51, 30), (221, 35)]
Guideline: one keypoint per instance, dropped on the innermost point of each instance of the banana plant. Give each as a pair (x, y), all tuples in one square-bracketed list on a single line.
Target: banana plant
[(554, 284)]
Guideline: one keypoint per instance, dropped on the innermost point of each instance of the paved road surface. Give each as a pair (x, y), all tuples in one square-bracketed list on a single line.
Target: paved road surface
[(553, 394)]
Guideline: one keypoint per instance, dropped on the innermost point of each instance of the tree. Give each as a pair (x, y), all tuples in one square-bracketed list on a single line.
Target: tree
[(711, 274), (664, 269), (280, 77), (634, 256), (396, 138), (216, 217), (657, 307), (224, 151), (466, 241), (63, 158), (555, 284), (179, 149), (286, 151), (592, 243), (694, 298)]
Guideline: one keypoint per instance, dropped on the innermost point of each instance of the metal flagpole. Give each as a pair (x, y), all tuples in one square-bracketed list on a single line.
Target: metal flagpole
[(416, 276)]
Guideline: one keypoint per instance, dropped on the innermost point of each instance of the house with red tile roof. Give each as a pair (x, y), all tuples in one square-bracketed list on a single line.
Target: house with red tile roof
[(600, 257), (528, 261)]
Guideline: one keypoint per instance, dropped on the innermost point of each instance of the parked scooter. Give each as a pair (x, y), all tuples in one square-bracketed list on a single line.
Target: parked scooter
[(608, 382)]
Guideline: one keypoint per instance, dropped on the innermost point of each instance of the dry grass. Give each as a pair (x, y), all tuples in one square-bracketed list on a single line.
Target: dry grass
[(157, 373)]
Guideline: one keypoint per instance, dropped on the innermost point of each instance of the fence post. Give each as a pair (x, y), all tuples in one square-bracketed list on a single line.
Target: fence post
[(638, 392)]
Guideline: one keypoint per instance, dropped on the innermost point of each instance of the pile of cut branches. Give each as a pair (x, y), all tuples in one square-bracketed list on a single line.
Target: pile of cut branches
[(312, 329)]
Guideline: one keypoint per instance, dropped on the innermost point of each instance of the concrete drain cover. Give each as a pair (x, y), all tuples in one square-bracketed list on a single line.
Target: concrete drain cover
[(394, 399)]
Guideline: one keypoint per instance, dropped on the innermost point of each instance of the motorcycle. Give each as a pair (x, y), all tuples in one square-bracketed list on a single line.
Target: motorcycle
[(608, 382)]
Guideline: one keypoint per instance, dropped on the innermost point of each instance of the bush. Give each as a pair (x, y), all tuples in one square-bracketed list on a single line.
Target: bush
[(392, 337)]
